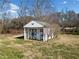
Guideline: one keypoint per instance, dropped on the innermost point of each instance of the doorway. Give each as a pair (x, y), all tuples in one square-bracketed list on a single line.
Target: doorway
[(33, 34), (36, 34)]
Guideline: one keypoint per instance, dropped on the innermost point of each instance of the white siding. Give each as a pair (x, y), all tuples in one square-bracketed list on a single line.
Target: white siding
[(25, 35), (33, 24)]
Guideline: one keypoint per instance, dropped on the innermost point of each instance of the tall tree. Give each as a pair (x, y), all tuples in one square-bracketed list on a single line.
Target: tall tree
[(3, 7), (43, 7), (4, 15), (23, 10)]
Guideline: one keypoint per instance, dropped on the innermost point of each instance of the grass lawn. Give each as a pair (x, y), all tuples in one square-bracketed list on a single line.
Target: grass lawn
[(63, 47)]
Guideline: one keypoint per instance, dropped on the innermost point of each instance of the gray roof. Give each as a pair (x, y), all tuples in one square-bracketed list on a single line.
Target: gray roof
[(43, 23)]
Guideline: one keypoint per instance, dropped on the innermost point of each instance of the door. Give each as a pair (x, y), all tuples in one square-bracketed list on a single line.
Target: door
[(34, 34)]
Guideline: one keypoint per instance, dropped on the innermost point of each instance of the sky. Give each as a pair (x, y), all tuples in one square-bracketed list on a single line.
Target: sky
[(59, 4), (67, 4)]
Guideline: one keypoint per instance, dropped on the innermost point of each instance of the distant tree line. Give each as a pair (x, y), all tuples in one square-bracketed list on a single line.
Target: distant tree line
[(69, 21), (41, 10)]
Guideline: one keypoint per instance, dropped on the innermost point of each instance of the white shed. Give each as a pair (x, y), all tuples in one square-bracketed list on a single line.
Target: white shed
[(37, 30)]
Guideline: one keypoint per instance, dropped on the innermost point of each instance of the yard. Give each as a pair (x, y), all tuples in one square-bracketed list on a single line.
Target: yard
[(63, 47)]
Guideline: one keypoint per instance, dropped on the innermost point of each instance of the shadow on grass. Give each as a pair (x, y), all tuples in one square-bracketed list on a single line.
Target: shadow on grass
[(20, 37)]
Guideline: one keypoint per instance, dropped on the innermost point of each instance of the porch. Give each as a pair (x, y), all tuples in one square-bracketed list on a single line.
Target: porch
[(33, 33)]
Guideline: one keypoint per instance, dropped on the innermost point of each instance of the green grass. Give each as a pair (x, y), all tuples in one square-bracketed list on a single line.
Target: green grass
[(6, 42), (51, 50), (66, 52), (19, 41), (10, 53), (73, 33), (30, 49)]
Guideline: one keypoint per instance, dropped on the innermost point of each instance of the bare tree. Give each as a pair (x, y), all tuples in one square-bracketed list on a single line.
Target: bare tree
[(43, 8), (23, 8), (4, 14), (37, 8)]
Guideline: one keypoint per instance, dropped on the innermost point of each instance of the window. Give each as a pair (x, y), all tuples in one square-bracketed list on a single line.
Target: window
[(32, 23)]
